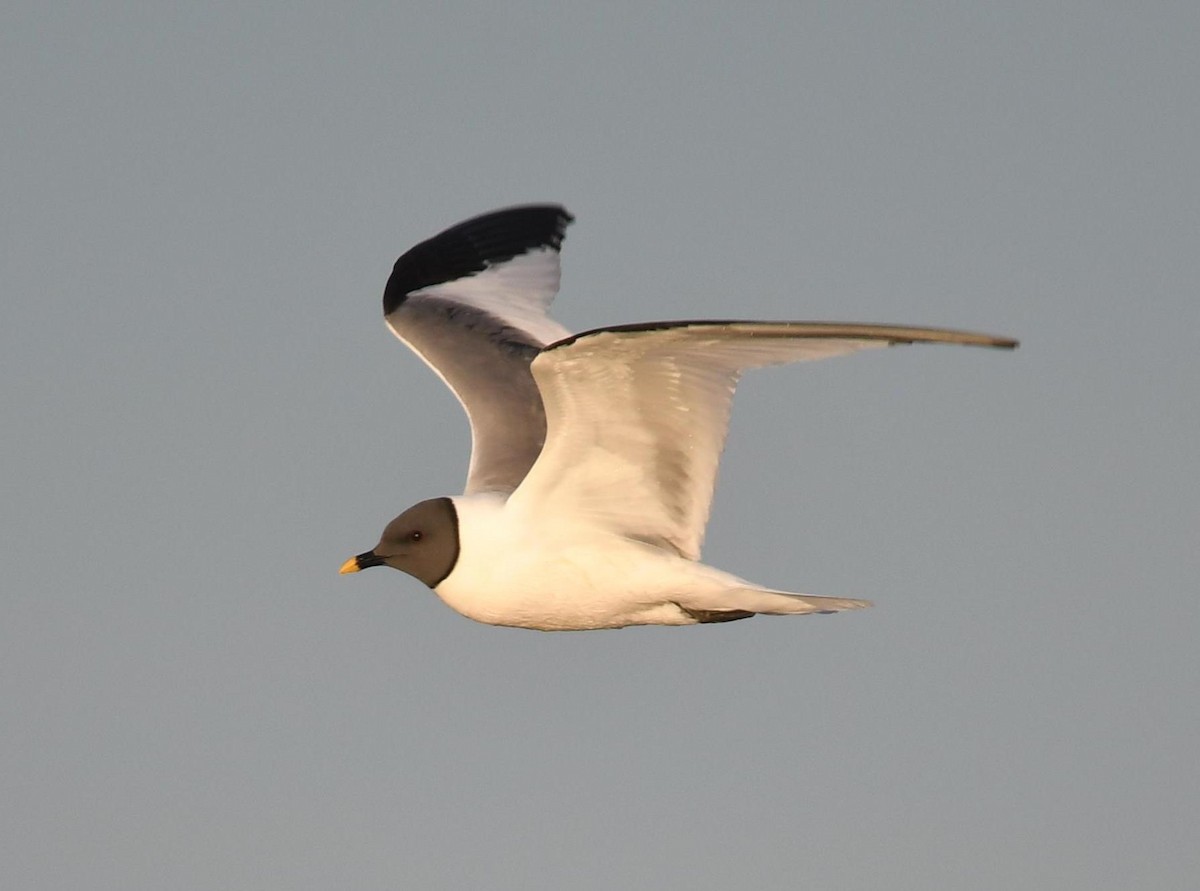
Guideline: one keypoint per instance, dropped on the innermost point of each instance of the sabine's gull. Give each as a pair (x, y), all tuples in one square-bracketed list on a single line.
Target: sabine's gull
[(594, 455)]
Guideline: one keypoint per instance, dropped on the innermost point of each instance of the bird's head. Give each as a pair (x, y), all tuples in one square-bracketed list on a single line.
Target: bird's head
[(422, 541)]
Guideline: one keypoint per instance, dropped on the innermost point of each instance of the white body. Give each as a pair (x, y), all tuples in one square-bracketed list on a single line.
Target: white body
[(562, 575)]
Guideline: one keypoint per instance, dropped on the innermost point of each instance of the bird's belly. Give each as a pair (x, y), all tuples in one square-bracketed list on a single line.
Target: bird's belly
[(568, 589)]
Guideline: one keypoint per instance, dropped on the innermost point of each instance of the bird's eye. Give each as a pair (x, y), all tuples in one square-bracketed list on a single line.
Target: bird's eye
[(415, 536)]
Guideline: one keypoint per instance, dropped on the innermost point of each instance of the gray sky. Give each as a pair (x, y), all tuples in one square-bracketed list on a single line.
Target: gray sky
[(204, 415)]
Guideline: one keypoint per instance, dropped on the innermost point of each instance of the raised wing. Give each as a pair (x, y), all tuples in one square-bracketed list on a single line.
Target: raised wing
[(472, 302), (637, 415)]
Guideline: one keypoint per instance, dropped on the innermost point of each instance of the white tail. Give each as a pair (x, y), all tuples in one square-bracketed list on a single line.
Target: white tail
[(784, 603)]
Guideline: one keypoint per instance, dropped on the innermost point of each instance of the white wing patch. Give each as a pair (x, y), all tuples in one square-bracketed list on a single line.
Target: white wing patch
[(517, 292)]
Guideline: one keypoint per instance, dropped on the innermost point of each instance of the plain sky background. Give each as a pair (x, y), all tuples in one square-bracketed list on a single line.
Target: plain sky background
[(204, 415)]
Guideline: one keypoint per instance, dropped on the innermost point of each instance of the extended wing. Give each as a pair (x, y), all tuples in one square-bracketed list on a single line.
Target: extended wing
[(472, 302), (637, 415)]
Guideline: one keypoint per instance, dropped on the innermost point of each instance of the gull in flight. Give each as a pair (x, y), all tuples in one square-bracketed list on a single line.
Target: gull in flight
[(594, 456)]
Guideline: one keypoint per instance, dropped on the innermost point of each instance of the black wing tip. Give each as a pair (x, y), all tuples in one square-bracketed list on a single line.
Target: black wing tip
[(508, 231), (471, 246)]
